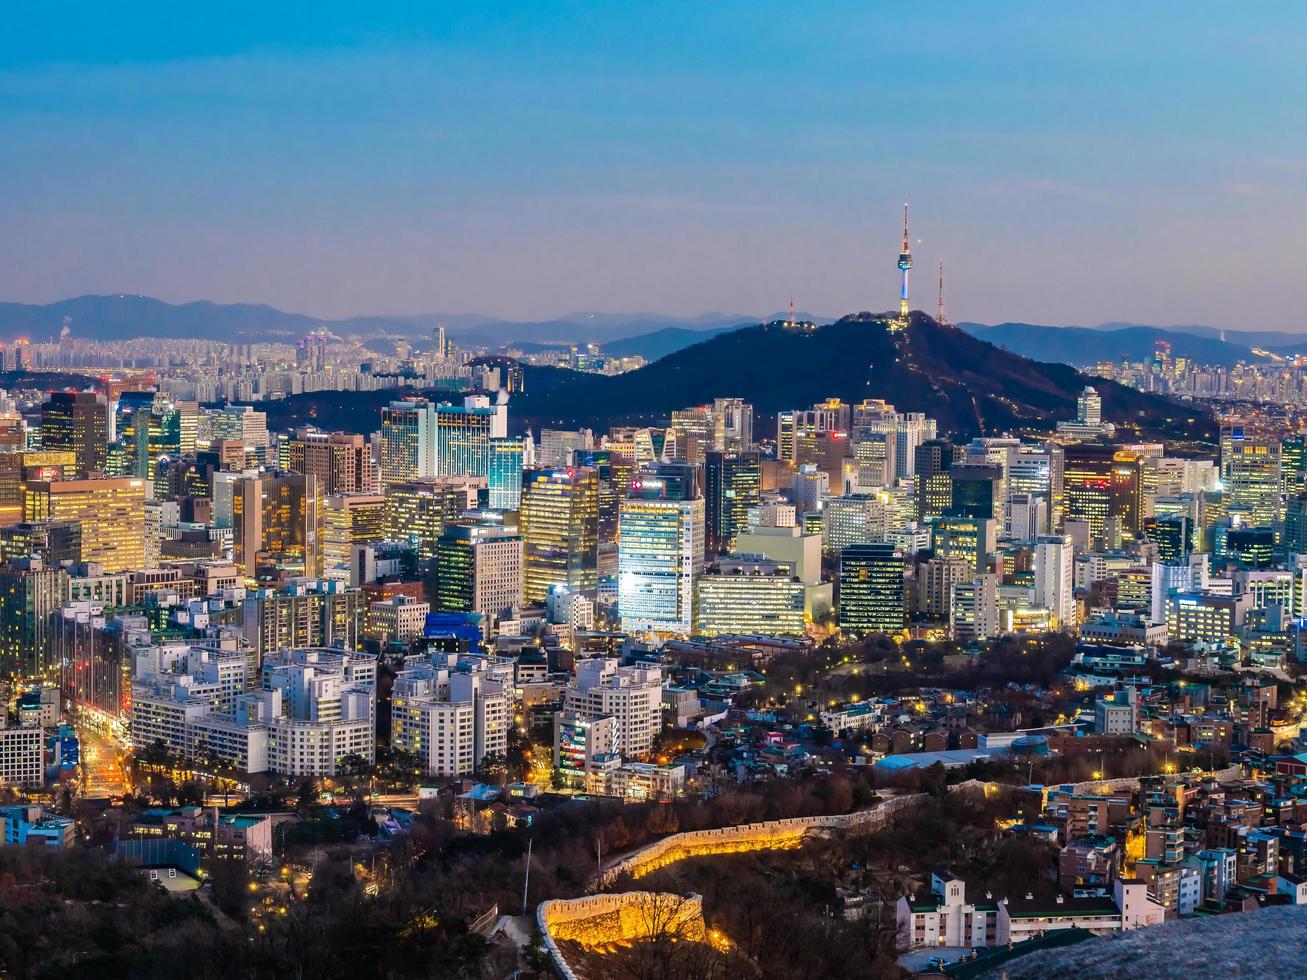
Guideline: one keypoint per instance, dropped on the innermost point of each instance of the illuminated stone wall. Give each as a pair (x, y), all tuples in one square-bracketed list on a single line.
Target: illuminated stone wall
[(772, 835), (605, 921)]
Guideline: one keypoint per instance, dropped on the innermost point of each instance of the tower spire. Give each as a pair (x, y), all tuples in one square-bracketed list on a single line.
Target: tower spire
[(905, 264), (793, 319)]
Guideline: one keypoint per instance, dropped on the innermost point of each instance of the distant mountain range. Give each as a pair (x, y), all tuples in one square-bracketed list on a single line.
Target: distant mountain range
[(969, 385), (1083, 346), (124, 316)]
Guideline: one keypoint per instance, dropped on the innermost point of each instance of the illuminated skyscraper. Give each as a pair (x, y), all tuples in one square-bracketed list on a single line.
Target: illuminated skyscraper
[(1252, 479), (110, 511), (871, 597), (342, 462), (479, 570), (77, 422), (660, 550), (732, 484), (504, 478), (349, 519), (418, 510), (407, 441), (560, 531), (277, 521)]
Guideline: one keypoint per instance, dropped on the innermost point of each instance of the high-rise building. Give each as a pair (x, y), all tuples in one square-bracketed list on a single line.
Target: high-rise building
[(504, 477), (478, 569), (51, 541), (974, 608), (660, 550), (111, 513), (418, 510), (305, 613), (243, 424), (871, 596), (31, 592), (341, 462), (77, 422), (277, 523), (454, 721), (630, 695), (858, 518), (1054, 569), (749, 594), (1252, 479), (407, 441), (1293, 465), (976, 491), (972, 539), (349, 519), (463, 434), (559, 519), (933, 462), (935, 580), (732, 484), (557, 446), (1102, 485)]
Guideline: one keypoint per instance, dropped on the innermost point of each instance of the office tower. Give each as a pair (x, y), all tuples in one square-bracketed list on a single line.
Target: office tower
[(1252, 479), (559, 520), (660, 550), (613, 471), (971, 539), (1038, 471), (875, 454), (858, 518), (31, 592), (1293, 465), (557, 446), (749, 596), (504, 478), (77, 422), (1025, 516), (732, 484), (453, 721), (734, 424), (111, 513), (976, 491), (786, 427), (349, 519), (1173, 533), (1054, 569), (935, 580), (911, 430), (277, 524), (827, 452), (632, 696), (304, 614), (341, 462), (1089, 407), (51, 541), (418, 510), (871, 598), (1295, 523), (407, 441), (463, 434), (243, 424), (809, 487), (933, 486), (974, 608), (478, 569), (1100, 488), (1171, 578)]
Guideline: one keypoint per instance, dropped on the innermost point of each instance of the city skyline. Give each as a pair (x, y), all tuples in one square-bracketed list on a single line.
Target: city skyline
[(1069, 168)]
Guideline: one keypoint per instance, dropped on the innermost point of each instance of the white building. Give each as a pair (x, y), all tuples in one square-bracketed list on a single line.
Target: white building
[(21, 755), (660, 553), (1054, 569), (452, 713), (631, 695)]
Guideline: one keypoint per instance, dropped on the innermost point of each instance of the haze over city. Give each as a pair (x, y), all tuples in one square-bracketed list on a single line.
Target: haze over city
[(1140, 163)]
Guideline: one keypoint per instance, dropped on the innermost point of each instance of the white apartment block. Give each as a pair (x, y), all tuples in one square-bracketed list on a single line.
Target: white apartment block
[(631, 695), (315, 708), (452, 712)]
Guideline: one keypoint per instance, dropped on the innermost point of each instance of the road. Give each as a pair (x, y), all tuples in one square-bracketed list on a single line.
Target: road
[(103, 770)]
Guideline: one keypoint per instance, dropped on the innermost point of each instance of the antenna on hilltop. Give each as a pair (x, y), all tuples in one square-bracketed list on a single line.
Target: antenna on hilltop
[(939, 316), (793, 319)]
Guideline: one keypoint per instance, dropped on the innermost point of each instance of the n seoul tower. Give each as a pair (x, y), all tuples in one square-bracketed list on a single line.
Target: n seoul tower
[(905, 264)]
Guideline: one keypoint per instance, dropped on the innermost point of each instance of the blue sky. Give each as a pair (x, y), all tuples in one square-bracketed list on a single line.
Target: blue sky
[(1070, 163)]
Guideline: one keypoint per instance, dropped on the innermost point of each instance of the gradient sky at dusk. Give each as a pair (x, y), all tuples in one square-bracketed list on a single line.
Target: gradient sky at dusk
[(1070, 163)]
